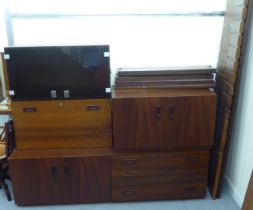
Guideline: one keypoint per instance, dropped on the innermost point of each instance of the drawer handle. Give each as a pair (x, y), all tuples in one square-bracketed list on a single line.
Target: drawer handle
[(54, 171), (129, 192), (192, 159), (171, 112), (29, 109), (189, 189), (128, 177), (128, 161), (158, 111), (92, 107), (66, 171)]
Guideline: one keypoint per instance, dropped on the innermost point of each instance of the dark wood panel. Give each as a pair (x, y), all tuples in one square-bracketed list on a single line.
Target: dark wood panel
[(176, 159), (157, 192), (138, 123), (159, 168), (170, 122), (190, 122), (86, 179), (39, 181), (25, 181), (50, 179), (62, 124)]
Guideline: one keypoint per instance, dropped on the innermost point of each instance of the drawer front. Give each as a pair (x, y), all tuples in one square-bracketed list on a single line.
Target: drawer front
[(62, 124), (156, 192), (173, 168), (178, 160)]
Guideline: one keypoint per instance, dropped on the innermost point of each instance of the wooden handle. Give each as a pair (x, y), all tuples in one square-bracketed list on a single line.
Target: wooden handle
[(93, 107), (192, 159), (128, 161), (129, 192), (66, 171), (158, 111), (29, 109), (128, 177), (54, 171), (171, 112)]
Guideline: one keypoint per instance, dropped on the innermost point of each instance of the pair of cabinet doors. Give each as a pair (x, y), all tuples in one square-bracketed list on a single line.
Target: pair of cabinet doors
[(165, 122), (61, 180)]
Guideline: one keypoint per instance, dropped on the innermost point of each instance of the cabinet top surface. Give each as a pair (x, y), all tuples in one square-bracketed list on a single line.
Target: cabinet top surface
[(52, 153), (136, 93)]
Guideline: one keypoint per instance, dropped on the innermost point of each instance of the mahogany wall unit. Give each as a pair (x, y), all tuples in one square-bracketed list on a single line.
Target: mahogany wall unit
[(160, 148), (161, 143)]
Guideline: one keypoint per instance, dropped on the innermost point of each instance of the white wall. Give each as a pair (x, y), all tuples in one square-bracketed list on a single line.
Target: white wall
[(240, 158)]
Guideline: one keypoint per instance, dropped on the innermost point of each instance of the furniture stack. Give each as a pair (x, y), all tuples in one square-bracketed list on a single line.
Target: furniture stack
[(177, 77), (162, 134), (160, 147)]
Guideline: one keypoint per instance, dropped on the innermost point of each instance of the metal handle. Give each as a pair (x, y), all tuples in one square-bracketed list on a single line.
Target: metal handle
[(66, 171), (158, 111), (171, 112), (54, 171), (128, 161)]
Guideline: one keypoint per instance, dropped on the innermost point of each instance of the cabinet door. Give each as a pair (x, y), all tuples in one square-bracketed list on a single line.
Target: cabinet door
[(50, 181), (25, 182), (189, 121), (86, 179), (138, 123)]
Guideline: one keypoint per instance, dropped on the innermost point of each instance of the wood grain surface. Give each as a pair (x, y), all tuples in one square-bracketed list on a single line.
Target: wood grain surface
[(62, 124), (163, 122)]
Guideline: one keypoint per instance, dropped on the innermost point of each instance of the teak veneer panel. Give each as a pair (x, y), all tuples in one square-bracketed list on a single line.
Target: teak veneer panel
[(190, 125), (63, 124), (61, 180)]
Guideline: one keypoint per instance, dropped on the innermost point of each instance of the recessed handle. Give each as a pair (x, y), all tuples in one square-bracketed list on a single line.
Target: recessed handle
[(171, 112), (93, 107), (129, 192), (192, 159), (158, 111), (54, 171), (128, 161), (128, 177), (29, 109), (66, 171)]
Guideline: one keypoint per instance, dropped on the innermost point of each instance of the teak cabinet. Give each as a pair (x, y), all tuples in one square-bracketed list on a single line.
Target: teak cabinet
[(140, 145), (171, 122), (43, 178)]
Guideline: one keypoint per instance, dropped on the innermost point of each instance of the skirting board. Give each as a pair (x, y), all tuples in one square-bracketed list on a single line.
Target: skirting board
[(230, 188)]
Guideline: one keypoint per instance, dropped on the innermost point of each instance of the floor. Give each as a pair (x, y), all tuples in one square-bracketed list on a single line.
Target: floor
[(226, 202)]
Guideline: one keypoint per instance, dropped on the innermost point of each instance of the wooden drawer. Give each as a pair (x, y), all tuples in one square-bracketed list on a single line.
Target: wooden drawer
[(159, 175), (182, 160), (156, 192), (62, 123)]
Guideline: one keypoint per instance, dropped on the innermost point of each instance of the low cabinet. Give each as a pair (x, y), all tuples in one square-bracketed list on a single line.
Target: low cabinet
[(55, 180)]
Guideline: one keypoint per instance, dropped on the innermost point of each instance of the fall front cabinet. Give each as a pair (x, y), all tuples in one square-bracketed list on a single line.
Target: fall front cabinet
[(171, 122)]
